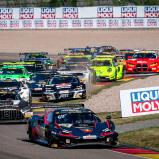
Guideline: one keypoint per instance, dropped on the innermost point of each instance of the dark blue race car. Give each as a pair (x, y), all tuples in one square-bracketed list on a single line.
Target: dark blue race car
[(71, 126)]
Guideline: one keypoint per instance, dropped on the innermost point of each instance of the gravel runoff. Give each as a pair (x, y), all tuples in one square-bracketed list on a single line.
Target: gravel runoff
[(108, 100)]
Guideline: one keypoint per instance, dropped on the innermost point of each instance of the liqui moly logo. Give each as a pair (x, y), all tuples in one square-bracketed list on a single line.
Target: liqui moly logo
[(145, 101), (70, 13), (48, 13), (151, 11), (6, 13), (105, 12), (26, 13), (129, 12)]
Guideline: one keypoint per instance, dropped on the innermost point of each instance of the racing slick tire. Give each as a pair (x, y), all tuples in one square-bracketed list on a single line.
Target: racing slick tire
[(84, 95)]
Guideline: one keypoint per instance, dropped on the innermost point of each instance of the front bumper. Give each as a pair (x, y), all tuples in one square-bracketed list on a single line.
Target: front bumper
[(60, 95)]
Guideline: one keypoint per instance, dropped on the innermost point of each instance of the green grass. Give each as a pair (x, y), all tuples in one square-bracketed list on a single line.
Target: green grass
[(146, 138), (118, 120)]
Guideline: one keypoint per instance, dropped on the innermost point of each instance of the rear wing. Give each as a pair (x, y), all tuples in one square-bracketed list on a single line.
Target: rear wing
[(32, 53), (56, 106)]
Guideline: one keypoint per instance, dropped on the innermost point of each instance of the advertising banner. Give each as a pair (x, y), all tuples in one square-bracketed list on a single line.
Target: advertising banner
[(136, 102)]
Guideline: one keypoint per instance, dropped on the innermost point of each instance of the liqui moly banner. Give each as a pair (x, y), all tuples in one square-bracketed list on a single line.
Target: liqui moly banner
[(136, 102)]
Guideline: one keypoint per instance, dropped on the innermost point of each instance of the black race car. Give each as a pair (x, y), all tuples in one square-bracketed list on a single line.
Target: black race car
[(68, 126), (63, 87), (39, 80), (12, 106)]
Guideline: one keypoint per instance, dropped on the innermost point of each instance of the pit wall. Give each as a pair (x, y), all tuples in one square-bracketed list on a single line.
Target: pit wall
[(80, 17)]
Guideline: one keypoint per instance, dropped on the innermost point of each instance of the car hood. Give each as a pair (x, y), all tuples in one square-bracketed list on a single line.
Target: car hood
[(85, 129)]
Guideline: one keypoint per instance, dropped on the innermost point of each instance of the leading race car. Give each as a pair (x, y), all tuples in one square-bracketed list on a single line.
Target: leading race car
[(12, 106), (63, 87), (143, 62), (71, 126)]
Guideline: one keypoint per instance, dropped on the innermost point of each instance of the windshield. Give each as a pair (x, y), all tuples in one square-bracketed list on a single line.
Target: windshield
[(9, 84), (37, 56), (11, 71), (101, 63), (64, 79), (41, 77), (76, 118), (128, 55), (9, 97), (145, 55)]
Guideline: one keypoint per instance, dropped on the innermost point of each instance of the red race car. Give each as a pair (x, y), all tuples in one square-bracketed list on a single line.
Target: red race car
[(143, 62)]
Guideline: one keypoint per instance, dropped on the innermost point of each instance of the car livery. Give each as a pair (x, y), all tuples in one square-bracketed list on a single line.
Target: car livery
[(71, 126), (63, 87), (143, 62), (14, 72), (39, 80), (107, 69)]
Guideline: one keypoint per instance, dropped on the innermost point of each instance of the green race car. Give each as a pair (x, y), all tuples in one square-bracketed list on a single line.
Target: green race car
[(14, 72), (107, 68)]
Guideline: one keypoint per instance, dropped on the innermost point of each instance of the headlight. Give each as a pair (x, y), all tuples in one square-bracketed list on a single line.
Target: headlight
[(130, 64), (109, 70), (154, 64), (66, 131), (78, 87), (106, 130)]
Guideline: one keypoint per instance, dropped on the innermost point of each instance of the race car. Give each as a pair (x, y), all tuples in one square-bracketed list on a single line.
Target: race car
[(19, 86), (107, 69), (40, 79), (143, 62), (64, 87), (83, 72), (37, 56), (13, 107), (14, 72), (31, 66), (68, 126)]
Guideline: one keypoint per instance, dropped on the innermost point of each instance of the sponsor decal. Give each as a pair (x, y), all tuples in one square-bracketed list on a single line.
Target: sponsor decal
[(128, 12), (151, 11), (151, 22), (105, 12), (26, 13), (14, 23), (76, 23), (113, 23), (70, 13), (27, 23), (3, 24), (6, 13), (63, 23), (51, 23), (145, 101), (139, 22), (48, 13), (101, 23), (88, 23), (126, 22), (39, 23)]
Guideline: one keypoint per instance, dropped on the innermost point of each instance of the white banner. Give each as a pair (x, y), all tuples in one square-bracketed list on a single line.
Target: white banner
[(142, 101), (80, 12)]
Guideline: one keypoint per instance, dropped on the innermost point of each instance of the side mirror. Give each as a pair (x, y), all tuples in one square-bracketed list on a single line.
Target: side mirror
[(108, 117)]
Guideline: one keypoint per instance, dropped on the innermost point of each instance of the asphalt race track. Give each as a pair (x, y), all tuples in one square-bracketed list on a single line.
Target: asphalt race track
[(15, 145)]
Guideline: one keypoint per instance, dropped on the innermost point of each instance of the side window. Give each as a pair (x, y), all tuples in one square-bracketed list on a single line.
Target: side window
[(50, 117)]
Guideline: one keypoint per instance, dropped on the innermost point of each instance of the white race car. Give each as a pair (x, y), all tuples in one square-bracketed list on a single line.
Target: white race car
[(20, 86)]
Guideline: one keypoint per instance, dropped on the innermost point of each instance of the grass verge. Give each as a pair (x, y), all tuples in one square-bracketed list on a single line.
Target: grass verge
[(118, 120), (146, 138)]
